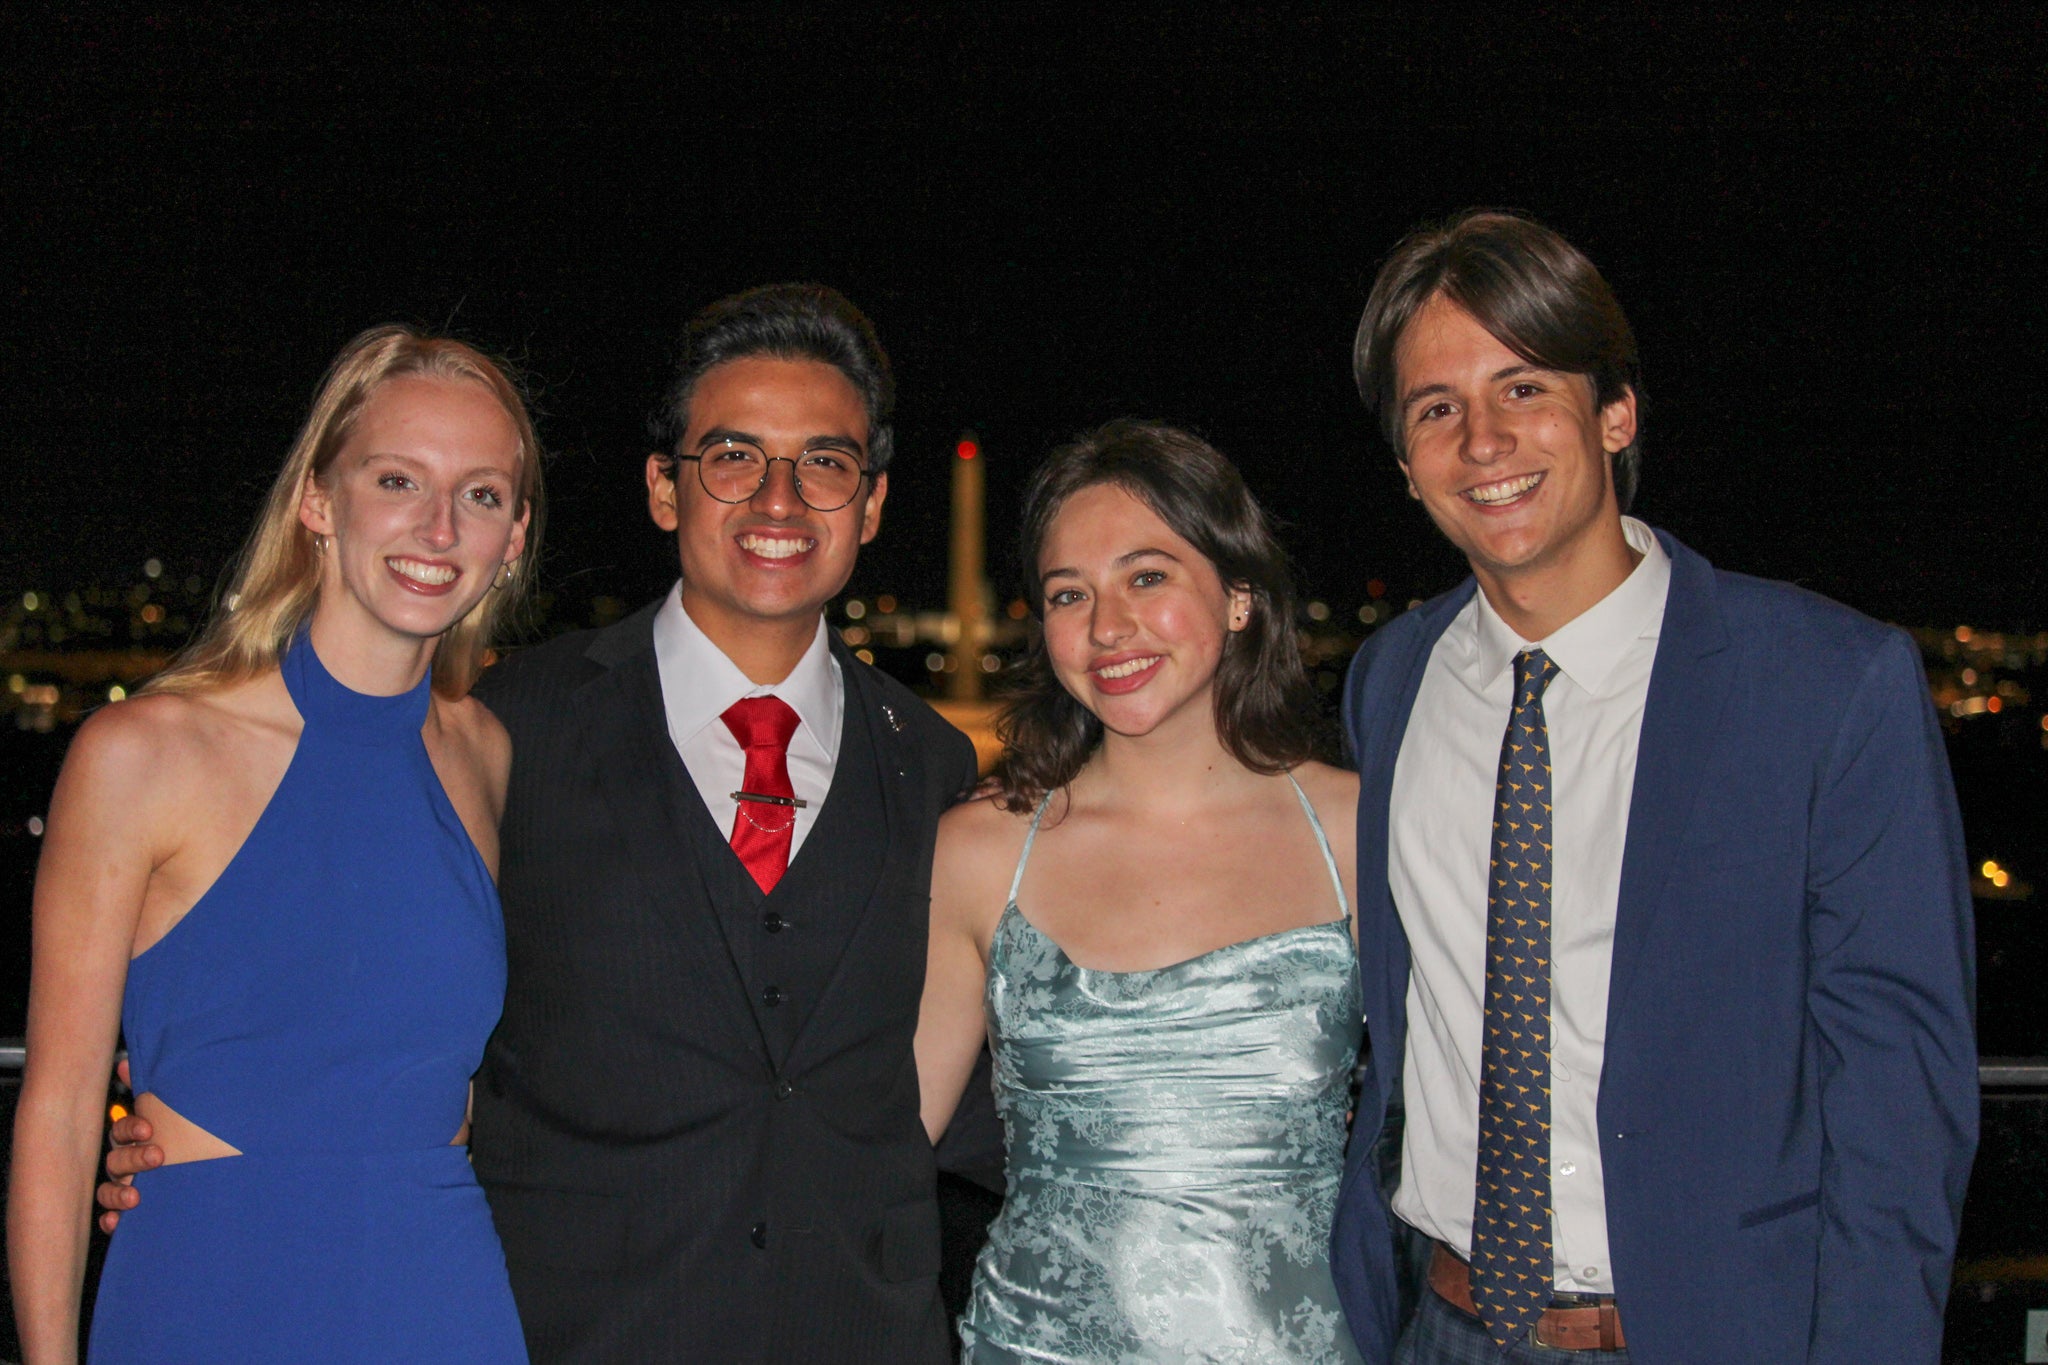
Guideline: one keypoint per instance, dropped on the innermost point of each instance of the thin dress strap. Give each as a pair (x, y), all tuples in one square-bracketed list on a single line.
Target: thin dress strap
[(1322, 842), (1024, 854)]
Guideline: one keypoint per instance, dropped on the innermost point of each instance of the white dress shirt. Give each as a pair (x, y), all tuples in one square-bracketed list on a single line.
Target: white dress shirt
[(1440, 832), (698, 683)]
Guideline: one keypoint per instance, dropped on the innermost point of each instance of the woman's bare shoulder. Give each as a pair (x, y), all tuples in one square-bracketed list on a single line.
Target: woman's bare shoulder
[(981, 825), (164, 755), (979, 842), (481, 735), (1333, 791), (161, 732), (143, 726)]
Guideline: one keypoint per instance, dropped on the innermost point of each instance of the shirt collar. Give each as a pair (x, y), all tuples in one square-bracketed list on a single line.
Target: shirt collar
[(715, 682), (1587, 647)]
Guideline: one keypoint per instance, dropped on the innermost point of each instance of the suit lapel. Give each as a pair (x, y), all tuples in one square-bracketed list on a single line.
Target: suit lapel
[(899, 772), (652, 800), (1380, 739), (1689, 686), (1384, 731)]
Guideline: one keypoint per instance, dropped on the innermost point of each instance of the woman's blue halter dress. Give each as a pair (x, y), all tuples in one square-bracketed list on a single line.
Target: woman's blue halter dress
[(321, 1010)]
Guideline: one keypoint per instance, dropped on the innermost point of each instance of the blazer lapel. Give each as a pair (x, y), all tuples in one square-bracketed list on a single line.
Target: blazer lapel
[(899, 770), (1689, 685), (651, 799), (1380, 735)]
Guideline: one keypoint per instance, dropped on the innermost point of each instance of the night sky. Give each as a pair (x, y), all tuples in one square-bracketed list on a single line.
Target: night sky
[(1828, 232)]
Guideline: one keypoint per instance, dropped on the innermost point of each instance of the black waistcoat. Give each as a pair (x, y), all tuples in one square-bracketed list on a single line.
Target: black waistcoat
[(786, 943)]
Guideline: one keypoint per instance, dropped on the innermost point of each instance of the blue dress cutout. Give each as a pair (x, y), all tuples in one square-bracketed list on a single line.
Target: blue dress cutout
[(1176, 1140), (321, 1009)]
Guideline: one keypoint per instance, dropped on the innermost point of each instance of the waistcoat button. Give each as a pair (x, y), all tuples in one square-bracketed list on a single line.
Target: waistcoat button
[(772, 996)]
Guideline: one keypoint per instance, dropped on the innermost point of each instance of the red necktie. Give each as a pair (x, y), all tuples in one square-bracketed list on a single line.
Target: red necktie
[(762, 832)]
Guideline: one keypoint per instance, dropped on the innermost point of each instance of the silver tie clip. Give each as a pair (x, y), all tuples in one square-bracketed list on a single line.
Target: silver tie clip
[(768, 800)]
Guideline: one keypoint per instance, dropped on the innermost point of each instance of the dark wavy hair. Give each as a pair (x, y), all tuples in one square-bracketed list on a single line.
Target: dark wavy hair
[(782, 322), (1266, 711), (1535, 292)]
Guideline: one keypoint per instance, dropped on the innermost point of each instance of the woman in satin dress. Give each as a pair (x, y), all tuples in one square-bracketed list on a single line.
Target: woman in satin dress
[(1146, 912)]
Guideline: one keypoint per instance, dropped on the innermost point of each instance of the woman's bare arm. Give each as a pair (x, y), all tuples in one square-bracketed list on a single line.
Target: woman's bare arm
[(969, 875), (103, 842)]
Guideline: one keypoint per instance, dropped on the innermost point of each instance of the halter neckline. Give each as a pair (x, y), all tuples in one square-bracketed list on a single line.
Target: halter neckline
[(325, 701)]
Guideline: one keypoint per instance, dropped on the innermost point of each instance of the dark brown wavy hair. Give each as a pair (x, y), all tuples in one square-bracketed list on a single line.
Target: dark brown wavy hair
[(1266, 711)]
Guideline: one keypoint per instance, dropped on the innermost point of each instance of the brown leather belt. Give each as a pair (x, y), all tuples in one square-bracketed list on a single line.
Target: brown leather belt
[(1593, 1327)]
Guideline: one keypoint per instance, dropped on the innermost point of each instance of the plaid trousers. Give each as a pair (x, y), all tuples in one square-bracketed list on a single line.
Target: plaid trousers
[(1439, 1334)]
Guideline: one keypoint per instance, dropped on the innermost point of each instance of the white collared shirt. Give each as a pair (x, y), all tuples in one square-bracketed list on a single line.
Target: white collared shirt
[(698, 683), (1440, 832)]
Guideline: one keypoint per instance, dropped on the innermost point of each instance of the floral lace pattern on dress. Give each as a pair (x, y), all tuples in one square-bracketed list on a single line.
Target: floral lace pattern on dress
[(1176, 1141)]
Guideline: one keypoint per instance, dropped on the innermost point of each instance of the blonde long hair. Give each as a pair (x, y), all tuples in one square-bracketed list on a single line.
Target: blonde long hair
[(277, 579)]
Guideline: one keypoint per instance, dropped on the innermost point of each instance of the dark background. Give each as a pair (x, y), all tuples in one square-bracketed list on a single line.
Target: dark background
[(1827, 228), (1826, 224)]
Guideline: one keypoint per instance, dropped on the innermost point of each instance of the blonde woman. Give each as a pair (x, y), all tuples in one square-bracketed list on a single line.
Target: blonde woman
[(273, 872)]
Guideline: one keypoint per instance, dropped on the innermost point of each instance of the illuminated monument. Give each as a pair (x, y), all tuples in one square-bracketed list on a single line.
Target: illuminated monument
[(969, 603)]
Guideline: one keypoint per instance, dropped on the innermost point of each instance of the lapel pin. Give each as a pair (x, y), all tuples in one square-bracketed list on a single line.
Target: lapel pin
[(894, 723)]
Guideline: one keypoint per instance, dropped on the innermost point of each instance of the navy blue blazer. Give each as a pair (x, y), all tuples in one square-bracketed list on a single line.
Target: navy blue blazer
[(1788, 1108)]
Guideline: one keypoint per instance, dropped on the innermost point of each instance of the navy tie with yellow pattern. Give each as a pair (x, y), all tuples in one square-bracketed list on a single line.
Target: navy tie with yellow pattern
[(1511, 1256)]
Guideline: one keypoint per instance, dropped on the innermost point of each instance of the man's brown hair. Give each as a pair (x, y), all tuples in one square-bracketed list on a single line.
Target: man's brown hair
[(1535, 292)]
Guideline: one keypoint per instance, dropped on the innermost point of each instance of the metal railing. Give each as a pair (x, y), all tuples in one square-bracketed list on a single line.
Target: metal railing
[(1993, 1073), (2012, 1073)]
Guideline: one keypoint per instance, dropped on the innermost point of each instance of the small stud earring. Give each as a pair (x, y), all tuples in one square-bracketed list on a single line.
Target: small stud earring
[(504, 578)]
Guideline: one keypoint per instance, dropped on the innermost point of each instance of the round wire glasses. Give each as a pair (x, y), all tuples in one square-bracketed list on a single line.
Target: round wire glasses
[(827, 478)]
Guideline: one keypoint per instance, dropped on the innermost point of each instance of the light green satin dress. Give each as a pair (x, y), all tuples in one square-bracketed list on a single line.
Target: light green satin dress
[(1176, 1138)]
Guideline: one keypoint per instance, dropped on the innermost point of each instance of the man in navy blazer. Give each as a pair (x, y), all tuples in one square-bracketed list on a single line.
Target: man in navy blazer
[(1757, 1103)]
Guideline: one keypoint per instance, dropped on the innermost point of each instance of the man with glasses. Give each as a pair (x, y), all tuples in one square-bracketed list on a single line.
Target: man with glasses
[(698, 1122), (698, 1119)]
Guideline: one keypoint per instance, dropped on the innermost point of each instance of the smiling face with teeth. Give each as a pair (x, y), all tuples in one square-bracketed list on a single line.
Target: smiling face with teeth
[(1135, 616), (417, 510), (1513, 463), (756, 574)]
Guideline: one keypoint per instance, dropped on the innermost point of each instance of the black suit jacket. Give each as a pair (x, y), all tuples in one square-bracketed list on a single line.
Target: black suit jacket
[(698, 1120)]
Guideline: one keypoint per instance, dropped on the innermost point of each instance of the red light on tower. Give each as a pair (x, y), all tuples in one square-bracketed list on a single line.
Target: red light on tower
[(966, 585)]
